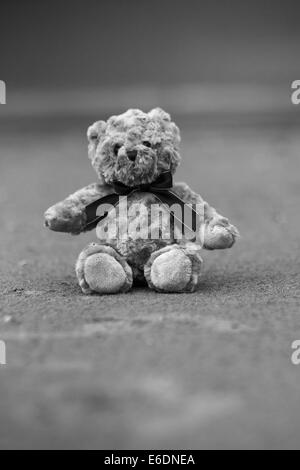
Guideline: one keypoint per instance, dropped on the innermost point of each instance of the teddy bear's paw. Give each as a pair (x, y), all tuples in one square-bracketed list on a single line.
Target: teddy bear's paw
[(100, 269), (220, 237), (174, 269)]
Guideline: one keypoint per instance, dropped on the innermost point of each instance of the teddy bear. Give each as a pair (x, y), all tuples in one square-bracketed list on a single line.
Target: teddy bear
[(135, 156)]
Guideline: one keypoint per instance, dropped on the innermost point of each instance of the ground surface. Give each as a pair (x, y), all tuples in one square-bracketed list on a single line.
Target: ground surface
[(144, 370)]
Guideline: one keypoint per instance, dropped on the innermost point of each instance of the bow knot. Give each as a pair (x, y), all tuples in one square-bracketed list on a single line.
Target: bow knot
[(162, 183), (160, 188)]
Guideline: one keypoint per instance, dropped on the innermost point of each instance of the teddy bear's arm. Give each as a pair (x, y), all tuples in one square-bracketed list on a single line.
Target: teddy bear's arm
[(218, 232), (69, 215)]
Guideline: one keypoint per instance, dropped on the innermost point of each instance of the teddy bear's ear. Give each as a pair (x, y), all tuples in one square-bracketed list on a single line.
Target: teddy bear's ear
[(95, 131), (158, 113), (165, 118)]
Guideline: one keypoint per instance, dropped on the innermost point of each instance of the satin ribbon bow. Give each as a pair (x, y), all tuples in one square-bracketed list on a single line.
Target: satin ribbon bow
[(163, 183), (161, 188)]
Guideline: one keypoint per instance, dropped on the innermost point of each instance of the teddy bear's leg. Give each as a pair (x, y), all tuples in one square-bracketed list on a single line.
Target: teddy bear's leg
[(174, 268), (101, 269)]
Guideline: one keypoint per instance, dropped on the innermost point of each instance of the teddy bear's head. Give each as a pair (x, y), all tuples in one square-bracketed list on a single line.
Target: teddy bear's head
[(135, 147)]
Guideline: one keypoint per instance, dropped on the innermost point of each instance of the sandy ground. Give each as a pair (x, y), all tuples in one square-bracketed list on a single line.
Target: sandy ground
[(145, 370)]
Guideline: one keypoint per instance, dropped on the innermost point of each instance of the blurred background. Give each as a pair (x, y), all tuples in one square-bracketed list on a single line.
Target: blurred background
[(96, 43), (192, 57), (207, 370)]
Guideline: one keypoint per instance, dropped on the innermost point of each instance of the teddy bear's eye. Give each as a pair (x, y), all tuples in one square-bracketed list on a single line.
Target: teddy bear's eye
[(94, 136), (146, 143), (116, 149)]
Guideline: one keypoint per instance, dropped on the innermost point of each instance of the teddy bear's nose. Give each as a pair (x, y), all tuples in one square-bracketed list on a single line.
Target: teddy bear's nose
[(132, 154)]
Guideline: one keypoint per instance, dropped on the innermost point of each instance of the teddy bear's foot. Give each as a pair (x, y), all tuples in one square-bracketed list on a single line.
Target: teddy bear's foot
[(174, 268), (101, 269)]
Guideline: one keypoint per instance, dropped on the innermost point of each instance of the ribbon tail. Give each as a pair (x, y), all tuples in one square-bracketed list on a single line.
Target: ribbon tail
[(92, 219)]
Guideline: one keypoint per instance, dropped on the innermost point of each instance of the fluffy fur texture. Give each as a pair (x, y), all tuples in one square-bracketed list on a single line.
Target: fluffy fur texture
[(135, 148)]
